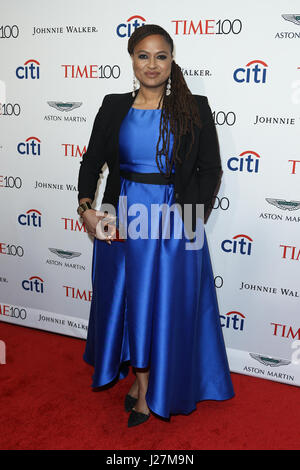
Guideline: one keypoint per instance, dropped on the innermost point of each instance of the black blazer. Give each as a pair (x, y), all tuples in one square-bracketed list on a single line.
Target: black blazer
[(196, 179)]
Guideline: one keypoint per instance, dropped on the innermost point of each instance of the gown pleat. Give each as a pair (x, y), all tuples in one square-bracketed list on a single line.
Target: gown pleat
[(154, 302)]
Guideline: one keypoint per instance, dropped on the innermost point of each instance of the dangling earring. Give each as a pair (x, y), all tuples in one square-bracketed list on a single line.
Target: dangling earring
[(134, 86), (168, 90)]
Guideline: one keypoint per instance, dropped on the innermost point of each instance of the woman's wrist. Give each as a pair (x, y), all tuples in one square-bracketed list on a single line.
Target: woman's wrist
[(83, 207)]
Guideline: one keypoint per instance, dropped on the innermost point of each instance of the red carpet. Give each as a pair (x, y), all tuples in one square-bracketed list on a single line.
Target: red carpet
[(46, 402)]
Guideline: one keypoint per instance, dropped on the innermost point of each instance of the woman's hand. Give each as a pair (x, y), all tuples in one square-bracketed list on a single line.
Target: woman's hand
[(100, 224)]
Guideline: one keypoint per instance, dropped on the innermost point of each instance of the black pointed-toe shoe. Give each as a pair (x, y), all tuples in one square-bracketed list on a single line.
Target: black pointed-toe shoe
[(136, 418), (129, 402)]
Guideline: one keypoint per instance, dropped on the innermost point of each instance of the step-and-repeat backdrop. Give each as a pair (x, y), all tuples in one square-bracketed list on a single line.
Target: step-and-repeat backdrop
[(58, 60)]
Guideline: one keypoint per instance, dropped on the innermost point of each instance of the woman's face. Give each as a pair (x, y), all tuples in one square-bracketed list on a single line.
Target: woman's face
[(152, 60)]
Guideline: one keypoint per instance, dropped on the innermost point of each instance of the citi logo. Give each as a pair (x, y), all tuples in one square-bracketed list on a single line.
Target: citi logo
[(31, 146), (247, 161), (32, 218), (30, 69), (240, 244), (126, 29), (233, 320), (254, 72), (34, 284), (72, 150)]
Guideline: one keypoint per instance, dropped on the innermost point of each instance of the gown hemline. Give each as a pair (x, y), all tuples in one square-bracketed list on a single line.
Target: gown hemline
[(122, 375)]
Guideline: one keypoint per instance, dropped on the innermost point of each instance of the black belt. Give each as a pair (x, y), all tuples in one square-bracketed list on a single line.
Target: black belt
[(150, 178)]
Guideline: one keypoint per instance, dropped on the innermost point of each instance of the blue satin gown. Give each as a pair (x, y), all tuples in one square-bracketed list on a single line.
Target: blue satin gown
[(154, 302)]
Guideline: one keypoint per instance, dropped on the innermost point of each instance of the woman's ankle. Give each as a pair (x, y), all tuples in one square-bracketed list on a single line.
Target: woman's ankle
[(134, 389)]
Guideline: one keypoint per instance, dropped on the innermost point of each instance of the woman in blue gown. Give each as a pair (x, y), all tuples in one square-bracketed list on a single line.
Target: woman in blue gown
[(155, 306)]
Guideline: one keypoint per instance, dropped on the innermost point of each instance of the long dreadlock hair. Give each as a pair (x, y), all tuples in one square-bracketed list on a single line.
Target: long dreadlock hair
[(180, 111)]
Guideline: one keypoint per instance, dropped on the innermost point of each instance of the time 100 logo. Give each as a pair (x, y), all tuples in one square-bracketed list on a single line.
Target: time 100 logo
[(221, 118)]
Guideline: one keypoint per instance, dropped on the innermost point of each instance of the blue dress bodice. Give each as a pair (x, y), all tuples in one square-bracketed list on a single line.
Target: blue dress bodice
[(138, 138)]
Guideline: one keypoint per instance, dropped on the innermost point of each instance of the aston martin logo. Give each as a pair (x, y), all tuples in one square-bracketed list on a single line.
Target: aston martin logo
[(64, 254), (269, 361), (64, 106), (284, 204), (293, 18)]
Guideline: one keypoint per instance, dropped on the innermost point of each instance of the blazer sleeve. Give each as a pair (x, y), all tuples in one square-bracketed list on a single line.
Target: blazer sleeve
[(209, 160), (94, 157)]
